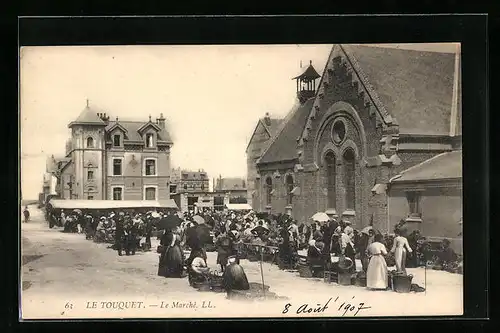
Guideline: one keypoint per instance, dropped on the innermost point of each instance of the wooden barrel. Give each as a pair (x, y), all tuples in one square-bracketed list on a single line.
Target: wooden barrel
[(345, 279)]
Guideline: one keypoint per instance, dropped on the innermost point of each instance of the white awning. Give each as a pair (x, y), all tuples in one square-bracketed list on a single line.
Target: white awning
[(239, 207), (111, 204)]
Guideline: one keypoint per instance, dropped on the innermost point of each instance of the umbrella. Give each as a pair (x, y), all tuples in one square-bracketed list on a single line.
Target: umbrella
[(198, 219), (77, 211), (320, 217), (260, 230), (169, 222), (198, 235)]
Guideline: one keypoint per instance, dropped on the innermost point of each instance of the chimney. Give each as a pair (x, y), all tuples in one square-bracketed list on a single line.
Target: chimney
[(161, 121), (267, 119)]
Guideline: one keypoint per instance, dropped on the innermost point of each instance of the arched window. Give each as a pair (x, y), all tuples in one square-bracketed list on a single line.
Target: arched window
[(269, 189), (289, 188), (331, 174), (349, 180), (90, 142)]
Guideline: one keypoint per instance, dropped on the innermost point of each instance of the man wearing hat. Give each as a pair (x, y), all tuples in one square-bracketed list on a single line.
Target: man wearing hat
[(119, 234)]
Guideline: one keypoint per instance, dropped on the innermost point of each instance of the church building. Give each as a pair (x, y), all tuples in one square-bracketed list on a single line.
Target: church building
[(373, 113), (116, 159)]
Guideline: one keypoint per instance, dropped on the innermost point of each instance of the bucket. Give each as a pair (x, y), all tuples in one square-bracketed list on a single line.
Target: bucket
[(305, 271), (401, 283), (345, 279)]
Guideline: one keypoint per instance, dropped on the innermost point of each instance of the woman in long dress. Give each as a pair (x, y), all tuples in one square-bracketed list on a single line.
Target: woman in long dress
[(172, 257), (376, 274), (399, 248)]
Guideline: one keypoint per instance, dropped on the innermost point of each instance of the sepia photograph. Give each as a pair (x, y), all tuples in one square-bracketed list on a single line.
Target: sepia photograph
[(224, 181)]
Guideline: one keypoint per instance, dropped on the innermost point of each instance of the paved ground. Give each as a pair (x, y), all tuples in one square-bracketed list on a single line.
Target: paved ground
[(63, 274)]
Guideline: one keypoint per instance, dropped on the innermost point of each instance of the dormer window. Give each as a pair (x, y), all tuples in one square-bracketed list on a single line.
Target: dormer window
[(117, 140), (149, 140)]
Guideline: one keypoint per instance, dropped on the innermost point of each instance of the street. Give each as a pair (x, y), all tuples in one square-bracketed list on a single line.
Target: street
[(63, 275)]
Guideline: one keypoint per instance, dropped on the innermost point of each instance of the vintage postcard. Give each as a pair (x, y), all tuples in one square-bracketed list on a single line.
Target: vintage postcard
[(241, 181)]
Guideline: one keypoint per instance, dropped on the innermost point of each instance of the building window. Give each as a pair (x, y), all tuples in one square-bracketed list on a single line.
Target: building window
[(90, 175), (117, 167), (338, 132), (350, 178), (269, 190), (90, 197), (150, 167), (90, 142), (116, 140), (289, 187), (149, 140), (331, 174), (117, 193), (173, 188), (413, 199), (202, 187), (150, 193)]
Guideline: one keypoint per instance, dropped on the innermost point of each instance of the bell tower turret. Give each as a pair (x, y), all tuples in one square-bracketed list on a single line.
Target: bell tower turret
[(306, 83)]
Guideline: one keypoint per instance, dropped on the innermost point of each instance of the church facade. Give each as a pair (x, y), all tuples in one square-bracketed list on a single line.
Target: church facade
[(373, 113), (116, 160)]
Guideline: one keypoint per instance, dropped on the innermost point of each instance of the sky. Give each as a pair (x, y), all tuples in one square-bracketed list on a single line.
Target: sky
[(211, 96)]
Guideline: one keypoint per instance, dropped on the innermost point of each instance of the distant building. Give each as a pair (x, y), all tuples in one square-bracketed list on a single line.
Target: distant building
[(234, 188), (182, 181), (190, 189), (116, 160)]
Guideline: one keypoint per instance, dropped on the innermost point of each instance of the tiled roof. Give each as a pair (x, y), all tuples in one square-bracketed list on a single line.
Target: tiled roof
[(88, 117), (228, 184), (440, 167), (409, 81), (132, 128), (284, 146), (310, 73), (193, 175)]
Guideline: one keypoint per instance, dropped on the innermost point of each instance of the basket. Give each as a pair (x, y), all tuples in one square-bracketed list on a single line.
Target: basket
[(252, 257), (305, 271), (345, 264), (402, 283), (345, 279)]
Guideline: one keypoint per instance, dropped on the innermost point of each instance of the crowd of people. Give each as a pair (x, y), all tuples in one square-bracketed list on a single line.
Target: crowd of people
[(234, 235)]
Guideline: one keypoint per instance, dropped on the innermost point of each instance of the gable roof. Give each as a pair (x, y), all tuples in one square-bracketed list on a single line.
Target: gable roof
[(88, 117), (117, 125), (148, 124), (440, 167), (283, 146), (271, 129), (409, 81), (132, 131)]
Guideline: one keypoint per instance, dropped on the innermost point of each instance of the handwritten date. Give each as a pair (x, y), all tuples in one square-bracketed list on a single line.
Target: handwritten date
[(345, 307)]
